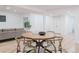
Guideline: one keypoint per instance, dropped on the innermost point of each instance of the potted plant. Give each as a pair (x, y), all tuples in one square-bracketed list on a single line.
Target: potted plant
[(27, 25)]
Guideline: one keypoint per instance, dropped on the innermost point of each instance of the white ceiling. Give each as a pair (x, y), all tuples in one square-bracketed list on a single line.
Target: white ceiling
[(42, 9)]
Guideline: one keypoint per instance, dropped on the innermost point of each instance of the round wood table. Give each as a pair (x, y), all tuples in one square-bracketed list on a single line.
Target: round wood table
[(32, 36), (38, 39)]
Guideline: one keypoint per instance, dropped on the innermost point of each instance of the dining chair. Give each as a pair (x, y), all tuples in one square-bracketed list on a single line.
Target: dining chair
[(58, 39), (55, 42), (24, 45), (49, 45), (18, 40), (28, 44), (58, 43)]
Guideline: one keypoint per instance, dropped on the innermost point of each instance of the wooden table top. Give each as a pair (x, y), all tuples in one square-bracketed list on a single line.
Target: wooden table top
[(30, 35)]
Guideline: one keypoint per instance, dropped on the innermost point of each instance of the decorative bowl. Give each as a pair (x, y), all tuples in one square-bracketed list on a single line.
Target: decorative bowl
[(42, 33)]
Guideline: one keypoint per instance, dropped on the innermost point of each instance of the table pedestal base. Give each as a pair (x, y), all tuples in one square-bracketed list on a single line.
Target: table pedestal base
[(39, 44)]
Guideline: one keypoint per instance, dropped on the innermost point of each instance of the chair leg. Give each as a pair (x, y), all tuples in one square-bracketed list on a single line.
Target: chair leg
[(34, 49), (23, 49), (60, 46), (18, 45), (44, 49), (29, 43), (24, 45), (55, 50)]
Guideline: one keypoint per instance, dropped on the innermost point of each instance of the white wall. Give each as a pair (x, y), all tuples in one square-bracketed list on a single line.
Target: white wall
[(70, 18), (13, 20), (36, 22), (60, 23), (47, 23), (56, 24), (77, 28)]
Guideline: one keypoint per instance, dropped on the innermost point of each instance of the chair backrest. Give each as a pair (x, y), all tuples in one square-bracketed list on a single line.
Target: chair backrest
[(50, 33)]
